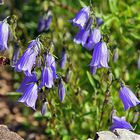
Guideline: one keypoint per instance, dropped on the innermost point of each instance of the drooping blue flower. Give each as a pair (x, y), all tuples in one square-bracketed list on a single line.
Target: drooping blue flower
[(93, 39), (4, 34), (82, 36), (63, 58), (44, 22), (48, 23), (47, 77), (115, 55), (28, 59), (26, 81), (41, 25), (120, 123), (128, 97), (30, 95), (99, 21), (48, 72), (16, 51), (61, 90), (99, 57), (81, 17), (44, 108)]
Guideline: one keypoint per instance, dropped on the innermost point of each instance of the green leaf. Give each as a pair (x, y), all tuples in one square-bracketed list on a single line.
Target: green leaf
[(13, 93), (90, 79), (134, 35), (113, 6), (82, 3)]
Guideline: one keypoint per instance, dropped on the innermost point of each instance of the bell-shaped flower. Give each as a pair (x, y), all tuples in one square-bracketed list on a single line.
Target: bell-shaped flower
[(47, 77), (26, 81), (115, 55), (94, 38), (30, 95), (44, 22), (99, 57), (120, 123), (61, 90), (63, 58), (48, 72), (4, 34), (41, 25), (81, 17), (28, 59), (48, 23), (82, 36), (44, 108), (99, 21), (128, 97), (16, 51)]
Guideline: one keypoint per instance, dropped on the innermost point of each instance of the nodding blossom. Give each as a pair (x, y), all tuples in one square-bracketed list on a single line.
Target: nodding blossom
[(61, 90), (120, 123), (4, 35), (99, 21), (45, 22), (29, 88), (63, 58), (28, 59), (99, 57), (128, 97), (81, 17), (93, 39), (48, 72), (27, 80)]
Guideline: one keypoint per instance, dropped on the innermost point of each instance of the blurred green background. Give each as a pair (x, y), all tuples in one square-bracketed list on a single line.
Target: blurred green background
[(79, 115)]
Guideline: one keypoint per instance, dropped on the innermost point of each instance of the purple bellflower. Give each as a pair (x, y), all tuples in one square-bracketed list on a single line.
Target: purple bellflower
[(82, 36), (48, 22), (93, 39), (61, 90), (4, 34), (28, 59), (115, 55), (26, 81), (44, 108), (15, 56), (41, 25), (29, 89), (30, 95), (63, 58), (45, 22), (49, 72), (81, 17), (120, 123), (99, 57), (99, 21), (128, 97)]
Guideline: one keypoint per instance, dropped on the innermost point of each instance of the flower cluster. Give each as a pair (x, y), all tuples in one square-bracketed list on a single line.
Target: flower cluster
[(39, 76), (91, 38), (31, 86)]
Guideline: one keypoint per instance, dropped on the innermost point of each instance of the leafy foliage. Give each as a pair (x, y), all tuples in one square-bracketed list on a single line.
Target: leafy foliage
[(83, 112)]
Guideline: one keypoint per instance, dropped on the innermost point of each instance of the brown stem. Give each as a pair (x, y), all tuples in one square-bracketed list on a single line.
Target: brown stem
[(64, 6), (106, 99)]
